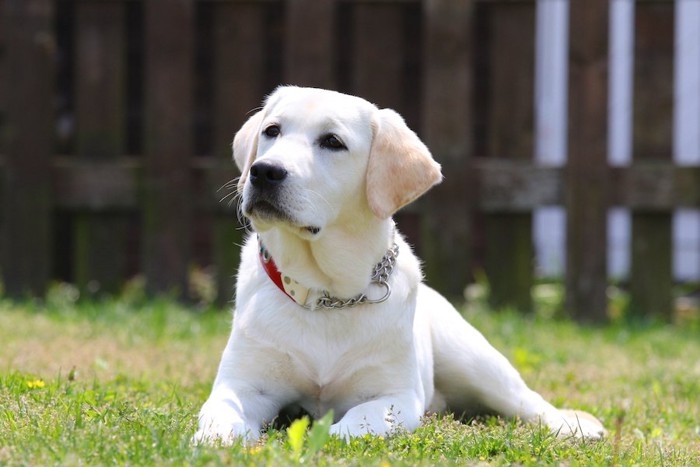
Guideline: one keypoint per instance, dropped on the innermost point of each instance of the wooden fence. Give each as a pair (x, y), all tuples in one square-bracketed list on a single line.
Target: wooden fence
[(118, 117)]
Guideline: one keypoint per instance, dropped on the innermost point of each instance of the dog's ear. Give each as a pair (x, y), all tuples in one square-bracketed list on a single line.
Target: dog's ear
[(400, 167), (245, 145)]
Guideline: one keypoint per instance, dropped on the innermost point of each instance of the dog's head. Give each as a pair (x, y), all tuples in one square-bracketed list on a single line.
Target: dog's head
[(313, 157)]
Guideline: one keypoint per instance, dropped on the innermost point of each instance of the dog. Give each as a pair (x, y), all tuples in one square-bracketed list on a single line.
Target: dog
[(331, 312)]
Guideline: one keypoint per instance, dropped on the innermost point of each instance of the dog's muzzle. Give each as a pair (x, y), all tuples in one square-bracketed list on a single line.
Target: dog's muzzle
[(266, 199), (263, 200)]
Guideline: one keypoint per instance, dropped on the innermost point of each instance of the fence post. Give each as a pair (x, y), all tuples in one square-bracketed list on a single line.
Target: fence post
[(651, 277), (238, 38), (447, 124), (510, 49), (377, 51), (167, 210), (310, 57), (586, 172), (26, 195), (100, 234)]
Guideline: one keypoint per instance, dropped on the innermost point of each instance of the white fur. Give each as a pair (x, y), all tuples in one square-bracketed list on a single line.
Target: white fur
[(378, 366)]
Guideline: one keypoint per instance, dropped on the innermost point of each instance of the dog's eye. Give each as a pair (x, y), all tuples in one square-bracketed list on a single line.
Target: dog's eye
[(273, 131), (332, 142)]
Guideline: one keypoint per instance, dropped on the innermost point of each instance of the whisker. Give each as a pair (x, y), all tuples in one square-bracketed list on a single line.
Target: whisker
[(254, 110), (240, 217), (229, 184), (319, 196), (230, 196)]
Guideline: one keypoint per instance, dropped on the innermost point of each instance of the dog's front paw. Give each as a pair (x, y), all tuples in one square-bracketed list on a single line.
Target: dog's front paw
[(577, 423), (220, 424), (225, 434), (347, 431)]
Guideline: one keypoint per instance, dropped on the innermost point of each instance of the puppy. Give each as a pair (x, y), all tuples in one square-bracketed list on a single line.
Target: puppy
[(331, 313)]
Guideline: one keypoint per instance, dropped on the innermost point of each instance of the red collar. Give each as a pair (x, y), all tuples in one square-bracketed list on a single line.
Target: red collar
[(286, 284)]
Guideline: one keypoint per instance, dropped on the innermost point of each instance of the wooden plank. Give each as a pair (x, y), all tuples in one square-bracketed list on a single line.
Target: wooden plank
[(83, 186), (117, 184), (655, 186), (168, 140), (686, 193), (100, 239), (310, 53), (586, 195), (513, 186), (511, 52), (238, 38), (447, 125), (28, 129), (504, 185), (651, 259)]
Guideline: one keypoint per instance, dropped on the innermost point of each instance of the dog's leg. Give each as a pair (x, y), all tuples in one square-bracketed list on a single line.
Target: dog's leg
[(479, 373), (229, 415), (470, 372), (380, 416)]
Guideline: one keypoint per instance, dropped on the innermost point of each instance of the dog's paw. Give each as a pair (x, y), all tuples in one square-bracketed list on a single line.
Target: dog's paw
[(347, 431), (577, 423), (223, 434)]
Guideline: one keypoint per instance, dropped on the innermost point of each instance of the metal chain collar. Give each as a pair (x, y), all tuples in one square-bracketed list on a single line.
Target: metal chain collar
[(380, 277)]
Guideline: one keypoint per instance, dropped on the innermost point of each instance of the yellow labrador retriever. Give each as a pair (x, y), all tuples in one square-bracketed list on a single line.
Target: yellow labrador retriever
[(330, 311)]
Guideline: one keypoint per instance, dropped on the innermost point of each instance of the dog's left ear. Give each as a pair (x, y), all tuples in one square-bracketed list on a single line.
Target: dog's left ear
[(245, 146), (400, 167)]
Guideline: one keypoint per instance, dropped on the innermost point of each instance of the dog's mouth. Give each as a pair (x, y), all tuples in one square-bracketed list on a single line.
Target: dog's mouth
[(267, 211)]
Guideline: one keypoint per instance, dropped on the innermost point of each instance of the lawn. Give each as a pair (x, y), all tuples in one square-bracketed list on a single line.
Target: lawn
[(121, 382)]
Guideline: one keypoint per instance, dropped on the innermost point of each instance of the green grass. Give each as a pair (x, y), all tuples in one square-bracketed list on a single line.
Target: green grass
[(121, 382)]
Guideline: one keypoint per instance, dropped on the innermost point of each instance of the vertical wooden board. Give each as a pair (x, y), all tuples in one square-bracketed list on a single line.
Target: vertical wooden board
[(509, 260), (651, 263), (653, 82), (511, 51), (378, 53), (167, 210), (447, 130), (309, 51), (100, 240), (586, 172), (28, 133), (100, 79), (378, 71), (239, 69), (509, 244), (3, 76), (99, 252), (651, 278)]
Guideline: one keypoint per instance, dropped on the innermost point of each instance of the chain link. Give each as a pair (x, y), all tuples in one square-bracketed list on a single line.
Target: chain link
[(380, 277)]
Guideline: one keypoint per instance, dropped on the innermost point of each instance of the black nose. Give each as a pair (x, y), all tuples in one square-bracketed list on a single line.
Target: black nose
[(267, 174)]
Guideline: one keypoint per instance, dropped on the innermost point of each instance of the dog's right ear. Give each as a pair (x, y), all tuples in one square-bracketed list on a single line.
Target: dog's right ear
[(245, 146)]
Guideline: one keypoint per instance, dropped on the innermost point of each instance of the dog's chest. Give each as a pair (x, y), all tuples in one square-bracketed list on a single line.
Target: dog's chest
[(325, 356), (341, 374)]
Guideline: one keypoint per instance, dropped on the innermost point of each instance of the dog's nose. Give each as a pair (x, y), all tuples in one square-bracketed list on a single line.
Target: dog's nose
[(267, 174)]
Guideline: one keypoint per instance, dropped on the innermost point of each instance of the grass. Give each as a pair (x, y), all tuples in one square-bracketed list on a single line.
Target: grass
[(121, 382)]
